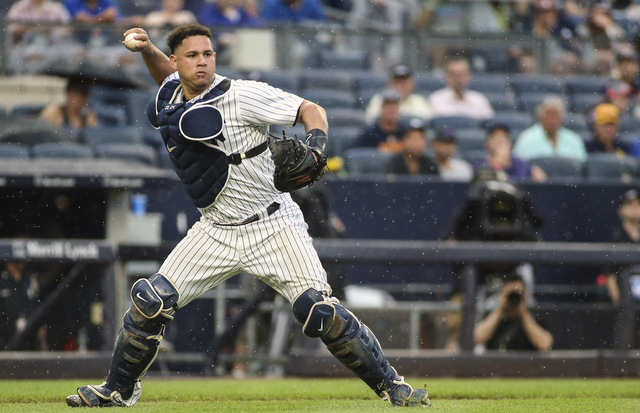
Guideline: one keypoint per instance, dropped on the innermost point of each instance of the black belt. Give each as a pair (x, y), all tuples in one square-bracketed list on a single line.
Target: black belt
[(236, 158), (255, 217)]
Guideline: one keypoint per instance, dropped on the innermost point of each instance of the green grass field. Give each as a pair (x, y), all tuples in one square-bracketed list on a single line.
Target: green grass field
[(340, 395)]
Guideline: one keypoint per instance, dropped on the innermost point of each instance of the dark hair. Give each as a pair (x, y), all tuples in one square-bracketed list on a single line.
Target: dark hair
[(182, 32)]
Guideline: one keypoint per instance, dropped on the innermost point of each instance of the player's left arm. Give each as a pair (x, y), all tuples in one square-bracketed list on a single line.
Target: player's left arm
[(314, 119)]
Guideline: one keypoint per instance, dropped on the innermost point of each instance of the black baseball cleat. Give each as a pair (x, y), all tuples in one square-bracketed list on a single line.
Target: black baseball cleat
[(401, 394), (101, 396)]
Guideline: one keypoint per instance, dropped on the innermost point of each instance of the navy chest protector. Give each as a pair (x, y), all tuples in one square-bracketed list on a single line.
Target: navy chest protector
[(183, 126)]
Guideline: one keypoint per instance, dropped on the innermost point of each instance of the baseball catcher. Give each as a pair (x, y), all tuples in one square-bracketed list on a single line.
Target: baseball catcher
[(298, 164)]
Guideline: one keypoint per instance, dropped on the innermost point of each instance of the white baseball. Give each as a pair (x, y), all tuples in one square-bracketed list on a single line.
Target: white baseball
[(131, 43)]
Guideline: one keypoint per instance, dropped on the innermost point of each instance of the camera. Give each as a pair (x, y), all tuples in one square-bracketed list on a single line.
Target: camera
[(514, 298)]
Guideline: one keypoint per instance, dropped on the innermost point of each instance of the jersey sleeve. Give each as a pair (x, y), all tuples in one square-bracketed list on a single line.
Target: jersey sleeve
[(262, 104)]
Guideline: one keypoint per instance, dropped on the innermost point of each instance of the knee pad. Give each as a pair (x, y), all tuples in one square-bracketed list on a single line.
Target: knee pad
[(151, 301), (323, 316)]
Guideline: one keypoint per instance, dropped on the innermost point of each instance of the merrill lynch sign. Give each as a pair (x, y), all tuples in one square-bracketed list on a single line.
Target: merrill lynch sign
[(55, 250)]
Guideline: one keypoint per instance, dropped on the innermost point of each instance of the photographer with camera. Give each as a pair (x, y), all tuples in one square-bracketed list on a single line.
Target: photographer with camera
[(511, 325)]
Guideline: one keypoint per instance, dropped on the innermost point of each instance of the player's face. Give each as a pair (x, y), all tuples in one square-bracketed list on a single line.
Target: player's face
[(195, 61)]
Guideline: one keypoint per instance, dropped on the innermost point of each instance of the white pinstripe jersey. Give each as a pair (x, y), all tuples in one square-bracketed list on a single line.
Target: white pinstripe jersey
[(248, 108)]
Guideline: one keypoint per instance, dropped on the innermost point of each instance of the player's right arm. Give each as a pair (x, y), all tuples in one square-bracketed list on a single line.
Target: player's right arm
[(158, 63)]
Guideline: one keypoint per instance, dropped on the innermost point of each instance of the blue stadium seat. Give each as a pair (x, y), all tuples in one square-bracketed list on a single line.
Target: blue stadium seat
[(427, 82), (345, 117), (454, 122), (129, 152), (341, 139), (297, 131), (576, 122), (513, 120), (354, 60), (489, 83), (559, 167), (60, 150), (329, 99), (528, 102), (599, 166), (111, 134), (328, 79), (582, 84), (546, 84), (583, 102), (501, 101), (366, 160), (14, 150), (287, 80), (369, 81), (470, 139), (28, 109), (629, 124)]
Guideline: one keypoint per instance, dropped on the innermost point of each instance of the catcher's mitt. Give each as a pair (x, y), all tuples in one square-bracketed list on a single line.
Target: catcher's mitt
[(296, 164)]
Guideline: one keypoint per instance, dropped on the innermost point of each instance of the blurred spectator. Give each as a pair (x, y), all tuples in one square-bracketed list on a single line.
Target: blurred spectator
[(628, 232), (401, 78), (224, 15), (35, 45), (92, 11), (171, 13), (31, 12), (547, 137), (227, 13), (511, 325), (627, 68), (500, 157), (599, 32), (74, 112), (413, 159), (19, 296), (550, 22), (293, 11), (605, 124), (620, 94), (386, 131), (444, 150), (456, 99)]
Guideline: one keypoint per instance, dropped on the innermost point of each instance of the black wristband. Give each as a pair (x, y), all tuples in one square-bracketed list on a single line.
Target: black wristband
[(316, 138)]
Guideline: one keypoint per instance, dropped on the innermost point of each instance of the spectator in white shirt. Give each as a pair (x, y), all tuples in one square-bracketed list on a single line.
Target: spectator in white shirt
[(456, 99)]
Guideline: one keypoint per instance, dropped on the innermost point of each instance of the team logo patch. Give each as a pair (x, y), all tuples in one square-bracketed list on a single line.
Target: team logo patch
[(201, 123)]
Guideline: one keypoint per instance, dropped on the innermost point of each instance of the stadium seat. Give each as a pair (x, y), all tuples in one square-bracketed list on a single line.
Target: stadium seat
[(427, 82), (61, 150), (330, 98), (327, 79), (111, 115), (29, 131), (14, 150), (364, 97), (454, 122), (297, 131), (610, 165), (581, 84), (345, 117), (559, 167), (583, 102), (537, 84), (287, 80), (528, 102), (354, 60), (341, 139), (489, 83), (369, 81), (111, 134), (513, 120), (474, 157), (129, 152), (366, 160), (28, 109), (470, 139), (576, 122), (629, 124), (501, 101)]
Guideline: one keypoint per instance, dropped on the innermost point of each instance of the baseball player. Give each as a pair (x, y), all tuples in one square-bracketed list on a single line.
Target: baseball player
[(215, 130)]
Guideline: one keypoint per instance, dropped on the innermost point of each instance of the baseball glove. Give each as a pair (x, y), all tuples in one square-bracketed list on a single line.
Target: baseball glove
[(297, 164)]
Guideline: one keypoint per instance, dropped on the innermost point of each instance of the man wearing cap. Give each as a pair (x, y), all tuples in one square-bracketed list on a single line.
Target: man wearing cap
[(628, 232), (412, 104), (605, 126), (500, 158), (456, 99), (412, 159), (451, 168), (548, 137), (386, 132)]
